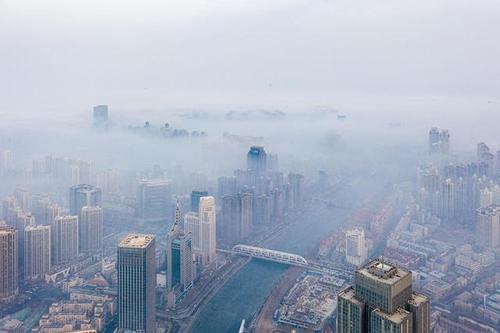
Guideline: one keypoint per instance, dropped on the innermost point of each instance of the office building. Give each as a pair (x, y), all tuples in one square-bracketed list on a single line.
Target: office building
[(8, 263), (153, 199), (136, 272), (382, 300), (37, 252), (83, 195), (64, 240), (355, 247), (237, 216), (488, 226), (208, 230), (90, 229), (257, 160), (100, 114), (195, 199), (179, 256)]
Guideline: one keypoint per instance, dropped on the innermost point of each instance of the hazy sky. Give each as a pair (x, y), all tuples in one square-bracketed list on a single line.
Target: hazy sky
[(66, 55)]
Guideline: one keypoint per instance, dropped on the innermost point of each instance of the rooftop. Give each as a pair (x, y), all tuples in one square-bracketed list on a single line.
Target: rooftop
[(383, 271), (136, 241), (417, 299), (396, 317)]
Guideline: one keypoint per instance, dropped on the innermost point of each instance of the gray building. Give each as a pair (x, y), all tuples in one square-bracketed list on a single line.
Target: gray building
[(153, 199), (136, 269), (382, 300), (64, 240), (83, 195), (90, 229)]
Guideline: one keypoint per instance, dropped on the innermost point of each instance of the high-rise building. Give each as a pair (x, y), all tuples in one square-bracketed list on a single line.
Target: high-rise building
[(8, 263), (153, 199), (83, 195), (257, 160), (297, 186), (439, 141), (355, 247), (207, 230), (382, 300), (37, 252), (179, 256), (488, 226), (237, 216), (226, 186), (433, 140), (44, 211), (90, 229), (262, 210), (64, 239), (195, 199), (100, 114), (136, 269), (6, 161)]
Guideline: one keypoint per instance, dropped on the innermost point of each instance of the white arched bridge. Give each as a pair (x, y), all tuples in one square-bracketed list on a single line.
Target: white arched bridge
[(270, 255)]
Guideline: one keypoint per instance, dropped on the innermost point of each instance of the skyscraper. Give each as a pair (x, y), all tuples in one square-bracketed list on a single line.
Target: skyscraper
[(83, 195), (90, 229), (153, 199), (195, 199), (382, 301), (136, 268), (257, 160), (208, 229), (8, 263), (37, 251), (100, 115), (355, 247), (64, 239), (236, 217), (488, 226), (179, 257)]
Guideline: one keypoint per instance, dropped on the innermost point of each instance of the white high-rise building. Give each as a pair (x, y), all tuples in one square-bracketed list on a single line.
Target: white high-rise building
[(37, 252), (208, 229), (90, 229), (485, 197), (355, 247), (488, 226), (64, 239)]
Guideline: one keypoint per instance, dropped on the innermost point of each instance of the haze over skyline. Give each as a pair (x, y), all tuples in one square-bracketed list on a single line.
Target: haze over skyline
[(60, 57)]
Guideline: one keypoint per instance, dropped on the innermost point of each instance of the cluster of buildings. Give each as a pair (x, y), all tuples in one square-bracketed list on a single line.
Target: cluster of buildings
[(256, 197), (36, 244)]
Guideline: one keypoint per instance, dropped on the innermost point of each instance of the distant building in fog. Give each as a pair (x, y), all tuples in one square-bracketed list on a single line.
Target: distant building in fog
[(355, 247), (439, 141), (64, 239), (153, 199), (100, 115), (90, 229), (207, 230), (83, 195), (257, 160)]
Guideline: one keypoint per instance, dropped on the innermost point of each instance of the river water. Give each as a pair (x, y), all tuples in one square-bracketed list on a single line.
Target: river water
[(242, 296)]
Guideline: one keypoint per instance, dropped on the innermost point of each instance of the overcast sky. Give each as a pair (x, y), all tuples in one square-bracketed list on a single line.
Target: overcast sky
[(66, 55)]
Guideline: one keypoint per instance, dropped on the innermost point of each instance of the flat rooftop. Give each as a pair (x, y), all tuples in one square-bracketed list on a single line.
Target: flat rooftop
[(417, 299), (137, 241), (349, 295), (383, 271), (396, 317)]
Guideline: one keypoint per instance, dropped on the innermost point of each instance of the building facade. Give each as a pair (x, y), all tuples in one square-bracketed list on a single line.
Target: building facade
[(136, 268)]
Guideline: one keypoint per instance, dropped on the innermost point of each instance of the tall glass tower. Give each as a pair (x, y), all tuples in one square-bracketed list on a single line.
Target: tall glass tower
[(136, 283)]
